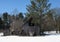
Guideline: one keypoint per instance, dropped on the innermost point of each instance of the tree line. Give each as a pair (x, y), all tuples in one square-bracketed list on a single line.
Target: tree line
[(5, 20), (40, 13)]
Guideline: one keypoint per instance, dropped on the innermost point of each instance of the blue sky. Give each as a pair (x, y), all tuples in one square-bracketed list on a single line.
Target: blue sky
[(20, 5)]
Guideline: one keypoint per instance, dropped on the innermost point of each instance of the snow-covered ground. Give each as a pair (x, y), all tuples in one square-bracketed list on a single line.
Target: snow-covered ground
[(1, 34), (52, 38), (49, 38), (51, 32)]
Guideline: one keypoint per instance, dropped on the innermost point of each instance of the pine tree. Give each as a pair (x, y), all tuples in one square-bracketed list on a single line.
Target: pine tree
[(36, 10)]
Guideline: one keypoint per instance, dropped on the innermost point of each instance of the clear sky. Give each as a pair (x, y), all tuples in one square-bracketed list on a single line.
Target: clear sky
[(20, 5)]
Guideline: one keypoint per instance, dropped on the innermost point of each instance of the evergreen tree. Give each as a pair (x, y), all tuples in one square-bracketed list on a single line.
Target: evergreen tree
[(21, 15), (36, 10), (5, 19), (1, 24)]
